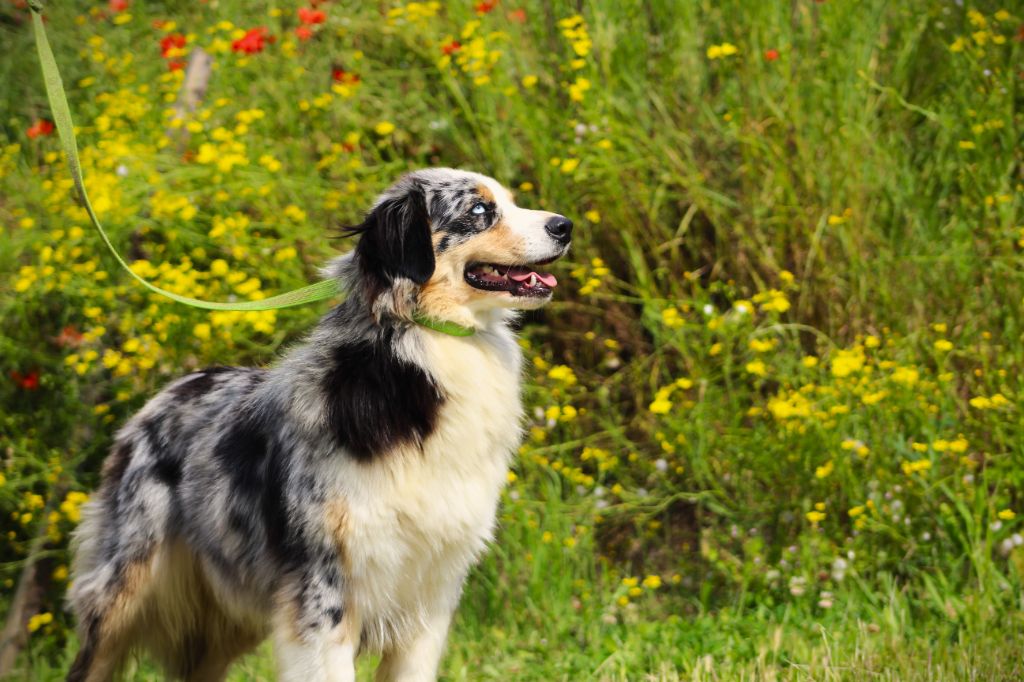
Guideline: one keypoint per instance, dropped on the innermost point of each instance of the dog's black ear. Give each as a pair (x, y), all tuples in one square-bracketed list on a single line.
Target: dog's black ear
[(395, 239)]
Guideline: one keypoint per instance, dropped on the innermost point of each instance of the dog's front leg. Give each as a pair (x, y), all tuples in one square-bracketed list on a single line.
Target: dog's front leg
[(417, 660), (325, 652)]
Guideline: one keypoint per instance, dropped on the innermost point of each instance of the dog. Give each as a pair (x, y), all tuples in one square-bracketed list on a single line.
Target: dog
[(336, 500)]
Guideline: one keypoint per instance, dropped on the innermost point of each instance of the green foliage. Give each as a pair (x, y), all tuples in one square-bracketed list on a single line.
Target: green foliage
[(774, 413)]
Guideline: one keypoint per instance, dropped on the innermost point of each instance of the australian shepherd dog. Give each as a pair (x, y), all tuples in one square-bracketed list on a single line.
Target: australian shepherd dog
[(336, 500)]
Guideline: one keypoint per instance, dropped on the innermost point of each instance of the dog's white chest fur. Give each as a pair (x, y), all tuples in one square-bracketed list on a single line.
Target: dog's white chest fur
[(415, 523)]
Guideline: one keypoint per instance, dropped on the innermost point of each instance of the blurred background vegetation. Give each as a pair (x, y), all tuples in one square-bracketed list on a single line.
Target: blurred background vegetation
[(774, 412)]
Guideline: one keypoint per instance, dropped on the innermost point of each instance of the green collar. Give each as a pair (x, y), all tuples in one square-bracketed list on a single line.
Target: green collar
[(443, 326)]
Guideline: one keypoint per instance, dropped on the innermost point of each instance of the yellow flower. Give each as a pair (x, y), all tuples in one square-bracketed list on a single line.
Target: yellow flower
[(856, 511), (201, 331), (286, 254), (569, 165), (294, 213), (1007, 515), (776, 301), (593, 216), (40, 619), (757, 368), (943, 346), (873, 398), (660, 406), (911, 468), (791, 406), (384, 128), (762, 346), (578, 88), (959, 445), (809, 361), (846, 362), (529, 81), (905, 375), (563, 374), (270, 163), (824, 470), (815, 516), (966, 144), (721, 51), (671, 318), (652, 582)]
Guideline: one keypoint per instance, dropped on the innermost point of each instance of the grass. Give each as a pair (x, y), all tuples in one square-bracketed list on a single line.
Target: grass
[(774, 411)]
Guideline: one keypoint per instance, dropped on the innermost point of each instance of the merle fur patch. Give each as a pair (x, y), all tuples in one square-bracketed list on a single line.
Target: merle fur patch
[(256, 466), (199, 384)]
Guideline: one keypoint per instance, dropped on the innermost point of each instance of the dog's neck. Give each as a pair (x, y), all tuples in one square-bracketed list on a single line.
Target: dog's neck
[(350, 340)]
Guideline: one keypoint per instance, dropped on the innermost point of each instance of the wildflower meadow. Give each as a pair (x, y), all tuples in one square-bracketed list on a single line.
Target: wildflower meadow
[(774, 424)]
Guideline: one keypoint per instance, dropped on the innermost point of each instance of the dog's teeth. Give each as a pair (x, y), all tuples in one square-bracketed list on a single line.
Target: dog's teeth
[(533, 280)]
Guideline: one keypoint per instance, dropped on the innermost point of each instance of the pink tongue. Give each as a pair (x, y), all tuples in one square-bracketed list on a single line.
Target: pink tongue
[(523, 274)]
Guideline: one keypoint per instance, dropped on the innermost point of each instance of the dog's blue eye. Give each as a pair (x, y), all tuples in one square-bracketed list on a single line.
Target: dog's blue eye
[(478, 209)]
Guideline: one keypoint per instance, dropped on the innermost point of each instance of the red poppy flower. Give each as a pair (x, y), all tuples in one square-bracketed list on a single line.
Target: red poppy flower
[(118, 5), (517, 16), (304, 33), (29, 382), (254, 40), (451, 47), (771, 55), (485, 6), (340, 75), (311, 17), (175, 66), (40, 128), (69, 336), (171, 41)]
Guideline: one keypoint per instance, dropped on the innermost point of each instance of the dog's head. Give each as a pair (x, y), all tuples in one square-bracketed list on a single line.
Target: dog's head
[(454, 246)]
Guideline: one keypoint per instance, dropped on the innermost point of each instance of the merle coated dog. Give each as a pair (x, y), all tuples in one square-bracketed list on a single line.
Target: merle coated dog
[(335, 501)]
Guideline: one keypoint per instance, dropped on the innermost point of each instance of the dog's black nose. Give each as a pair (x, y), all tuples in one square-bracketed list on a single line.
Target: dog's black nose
[(560, 228)]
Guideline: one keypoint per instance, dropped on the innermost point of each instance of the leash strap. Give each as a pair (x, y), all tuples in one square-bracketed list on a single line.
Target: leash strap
[(65, 129)]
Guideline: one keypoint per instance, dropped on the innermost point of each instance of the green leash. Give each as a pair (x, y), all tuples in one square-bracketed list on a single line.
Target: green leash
[(66, 131)]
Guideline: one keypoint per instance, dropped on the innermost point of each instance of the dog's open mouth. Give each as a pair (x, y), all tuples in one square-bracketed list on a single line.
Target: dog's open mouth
[(518, 280)]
